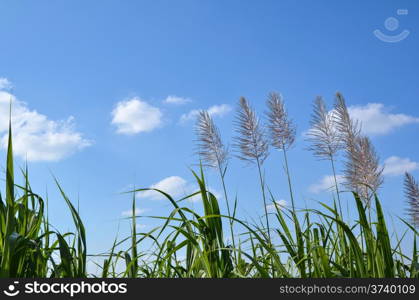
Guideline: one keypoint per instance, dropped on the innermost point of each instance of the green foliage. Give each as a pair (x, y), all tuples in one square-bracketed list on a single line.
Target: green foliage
[(300, 247), (306, 243), (28, 248)]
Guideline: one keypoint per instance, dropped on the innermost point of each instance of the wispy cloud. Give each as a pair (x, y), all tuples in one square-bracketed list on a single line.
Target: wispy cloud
[(138, 211), (280, 204), (176, 187), (326, 183), (35, 137), (176, 100), (214, 111), (135, 116), (394, 166), (5, 84), (173, 185), (376, 119)]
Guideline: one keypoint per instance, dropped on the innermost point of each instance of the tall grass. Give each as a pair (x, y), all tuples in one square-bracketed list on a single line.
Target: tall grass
[(192, 243), (28, 245), (315, 243)]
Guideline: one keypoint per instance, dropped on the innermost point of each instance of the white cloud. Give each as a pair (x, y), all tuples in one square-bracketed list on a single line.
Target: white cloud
[(395, 165), (176, 187), (219, 110), (35, 137), (280, 204), (5, 84), (377, 120), (176, 100), (326, 183), (215, 111), (135, 115), (138, 211)]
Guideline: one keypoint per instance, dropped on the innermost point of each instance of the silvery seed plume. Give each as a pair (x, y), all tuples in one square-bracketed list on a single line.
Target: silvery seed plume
[(362, 170), (281, 129), (323, 135), (362, 173), (411, 190), (349, 129), (211, 149), (250, 142)]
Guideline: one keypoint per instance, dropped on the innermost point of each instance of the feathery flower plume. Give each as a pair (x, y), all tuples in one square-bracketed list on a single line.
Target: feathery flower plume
[(211, 149), (363, 173), (281, 129), (349, 129), (324, 135), (213, 154), (362, 170), (411, 189), (282, 132), (251, 143)]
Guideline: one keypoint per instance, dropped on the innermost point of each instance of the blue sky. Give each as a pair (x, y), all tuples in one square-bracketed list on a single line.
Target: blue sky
[(105, 91)]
